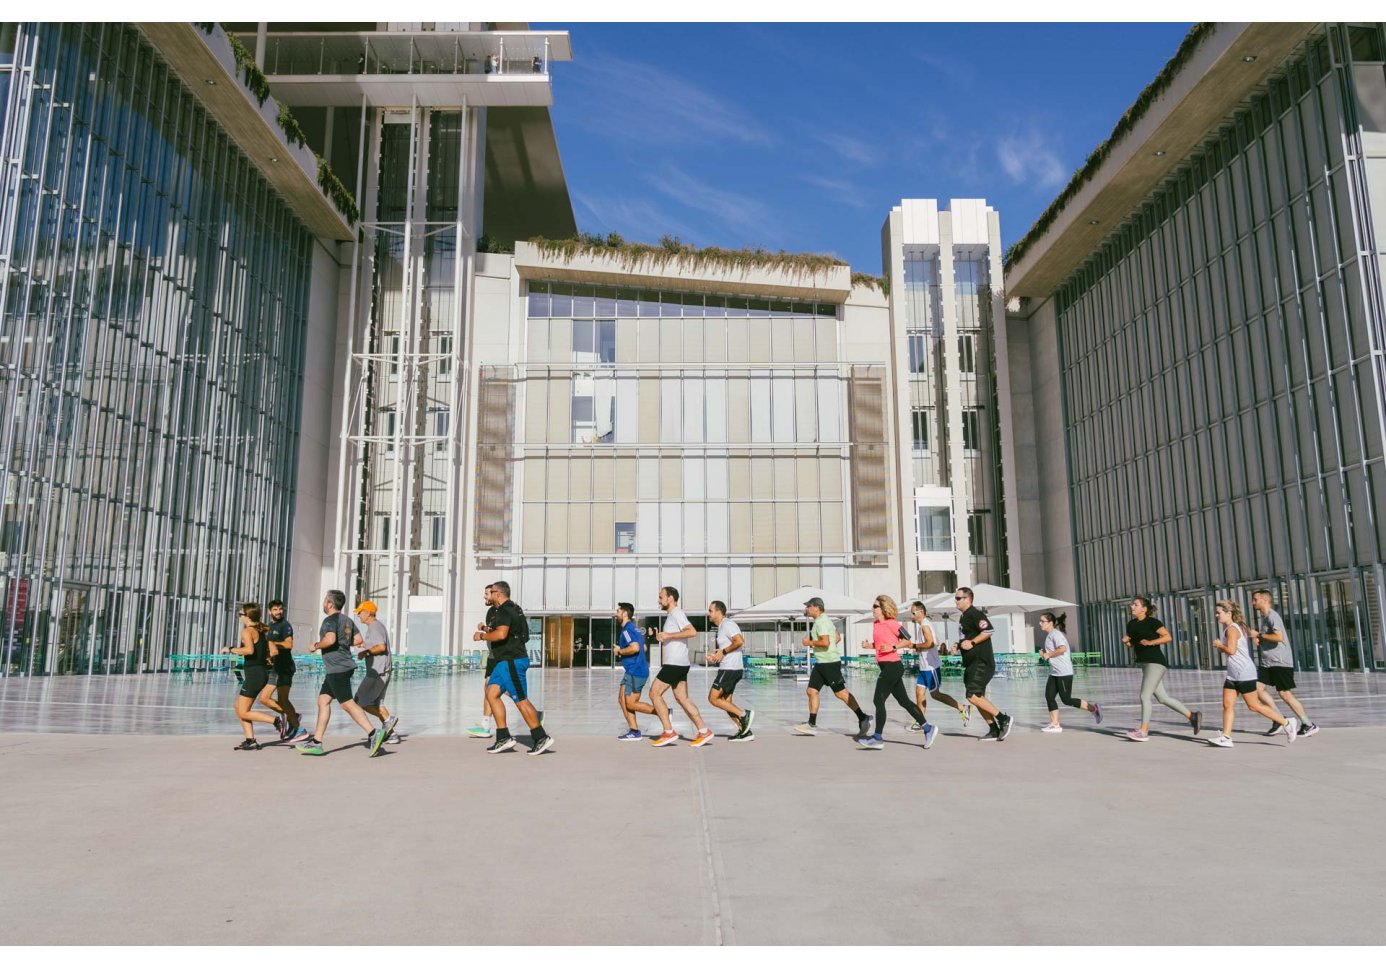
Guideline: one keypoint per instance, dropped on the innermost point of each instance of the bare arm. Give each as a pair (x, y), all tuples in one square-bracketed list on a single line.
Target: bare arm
[(1228, 645), (496, 634), (247, 646)]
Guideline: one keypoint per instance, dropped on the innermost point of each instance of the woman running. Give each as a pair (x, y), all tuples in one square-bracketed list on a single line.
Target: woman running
[(1059, 655), (254, 646), (1242, 676), (885, 640), (929, 680), (1147, 635)]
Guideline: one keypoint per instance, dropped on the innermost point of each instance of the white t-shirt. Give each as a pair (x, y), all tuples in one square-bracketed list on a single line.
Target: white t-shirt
[(676, 650), (1240, 666), (727, 631), (928, 658), (1060, 665)]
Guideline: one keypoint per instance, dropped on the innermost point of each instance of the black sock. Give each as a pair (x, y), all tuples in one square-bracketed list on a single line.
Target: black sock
[(538, 733), (813, 719), (502, 733)]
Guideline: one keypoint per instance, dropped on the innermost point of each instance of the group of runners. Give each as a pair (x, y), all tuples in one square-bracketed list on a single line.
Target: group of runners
[(269, 670)]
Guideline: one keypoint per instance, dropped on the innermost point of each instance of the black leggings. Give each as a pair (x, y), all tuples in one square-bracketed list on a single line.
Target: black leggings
[(1062, 687), (891, 682)]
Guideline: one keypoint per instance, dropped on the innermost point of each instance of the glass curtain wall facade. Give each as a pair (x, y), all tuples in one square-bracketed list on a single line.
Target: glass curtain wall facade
[(1223, 380), (153, 292), (700, 440)]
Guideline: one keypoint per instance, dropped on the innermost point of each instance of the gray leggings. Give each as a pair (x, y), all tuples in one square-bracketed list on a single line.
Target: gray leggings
[(1152, 687)]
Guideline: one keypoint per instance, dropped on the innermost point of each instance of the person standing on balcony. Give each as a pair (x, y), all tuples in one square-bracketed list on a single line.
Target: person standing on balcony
[(673, 673), (827, 670), (1146, 635)]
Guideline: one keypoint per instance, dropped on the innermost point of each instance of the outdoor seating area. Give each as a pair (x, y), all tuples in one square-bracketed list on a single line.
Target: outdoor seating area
[(218, 665)]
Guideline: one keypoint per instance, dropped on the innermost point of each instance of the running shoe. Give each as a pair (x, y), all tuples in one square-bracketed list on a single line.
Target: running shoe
[(807, 729), (297, 735), (282, 724), (374, 740), (1309, 730), (1140, 735), (703, 738), (543, 746), (502, 745), (480, 731), (1220, 740), (1005, 723), (312, 747), (863, 727), (1291, 729), (993, 735), (393, 739), (966, 714), (666, 739), (630, 736), (1196, 721), (247, 744), (745, 737), (1275, 728), (1052, 728), (1096, 711), (914, 727), (747, 719), (390, 725), (930, 732), (871, 742)]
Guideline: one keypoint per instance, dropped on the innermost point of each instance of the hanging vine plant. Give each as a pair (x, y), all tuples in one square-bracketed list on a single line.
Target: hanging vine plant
[(671, 250)]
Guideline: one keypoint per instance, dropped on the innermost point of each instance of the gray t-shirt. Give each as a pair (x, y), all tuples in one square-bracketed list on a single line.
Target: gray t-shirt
[(338, 657), (371, 636), (1279, 654)]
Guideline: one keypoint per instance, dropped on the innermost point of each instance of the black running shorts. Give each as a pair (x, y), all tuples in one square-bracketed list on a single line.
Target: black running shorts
[(284, 679), (827, 674), (337, 685), (977, 677), (672, 675), (253, 681), (1241, 687), (1279, 678), (726, 680)]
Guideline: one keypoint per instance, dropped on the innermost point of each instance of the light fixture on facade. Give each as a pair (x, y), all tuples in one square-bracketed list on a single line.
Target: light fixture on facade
[(1250, 58), (210, 82), (1161, 153), (273, 159), (1094, 221)]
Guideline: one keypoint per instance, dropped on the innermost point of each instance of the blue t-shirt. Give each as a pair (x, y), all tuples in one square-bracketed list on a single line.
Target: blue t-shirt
[(638, 664)]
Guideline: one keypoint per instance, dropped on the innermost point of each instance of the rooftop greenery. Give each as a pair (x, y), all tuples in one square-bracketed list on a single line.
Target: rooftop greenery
[(257, 84), (673, 251), (1134, 113)]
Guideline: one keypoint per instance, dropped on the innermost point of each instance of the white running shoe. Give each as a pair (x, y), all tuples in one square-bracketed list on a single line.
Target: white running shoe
[(1220, 740), (808, 729), (1052, 728), (1291, 729)]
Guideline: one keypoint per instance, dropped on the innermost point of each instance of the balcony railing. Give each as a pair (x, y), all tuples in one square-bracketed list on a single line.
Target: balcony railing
[(501, 54)]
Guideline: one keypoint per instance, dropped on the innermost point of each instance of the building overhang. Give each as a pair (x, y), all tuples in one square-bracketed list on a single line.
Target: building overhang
[(1222, 71), (526, 193), (206, 64), (832, 284)]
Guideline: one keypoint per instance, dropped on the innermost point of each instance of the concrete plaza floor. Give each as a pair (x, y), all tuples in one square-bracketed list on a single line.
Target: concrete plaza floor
[(1080, 837)]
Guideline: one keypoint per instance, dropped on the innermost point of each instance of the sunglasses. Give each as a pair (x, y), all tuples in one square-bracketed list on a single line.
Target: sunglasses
[(958, 598)]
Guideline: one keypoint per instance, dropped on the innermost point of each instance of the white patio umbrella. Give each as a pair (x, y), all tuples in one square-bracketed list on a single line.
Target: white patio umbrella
[(997, 599)]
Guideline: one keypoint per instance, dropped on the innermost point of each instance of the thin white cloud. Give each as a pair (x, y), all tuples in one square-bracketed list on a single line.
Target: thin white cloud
[(636, 219), (650, 104), (1029, 159), (839, 190), (735, 210), (858, 151)]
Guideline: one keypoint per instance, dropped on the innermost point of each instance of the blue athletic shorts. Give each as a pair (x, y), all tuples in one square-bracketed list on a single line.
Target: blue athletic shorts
[(928, 678), (634, 684), (509, 674)]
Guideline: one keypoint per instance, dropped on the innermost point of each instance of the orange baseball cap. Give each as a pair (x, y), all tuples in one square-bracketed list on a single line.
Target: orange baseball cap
[(367, 607)]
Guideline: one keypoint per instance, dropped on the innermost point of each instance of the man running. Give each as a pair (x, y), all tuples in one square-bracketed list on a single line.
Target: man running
[(731, 665), (636, 664), (1277, 665), (929, 681), (509, 662), (827, 670), (337, 635), (673, 673), (275, 695), (979, 664), (370, 695), (483, 729)]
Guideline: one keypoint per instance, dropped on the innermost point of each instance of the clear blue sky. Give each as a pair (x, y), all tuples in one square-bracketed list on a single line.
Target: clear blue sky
[(801, 137)]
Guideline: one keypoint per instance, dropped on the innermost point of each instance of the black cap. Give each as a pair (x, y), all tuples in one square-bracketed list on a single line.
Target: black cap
[(817, 602)]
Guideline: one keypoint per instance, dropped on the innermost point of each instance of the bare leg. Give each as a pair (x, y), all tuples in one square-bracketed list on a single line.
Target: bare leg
[(921, 698), (947, 700), (288, 707), (1229, 710), (623, 700), (496, 706), (813, 700), (984, 707), (681, 695), (528, 713), (266, 699), (1294, 704), (324, 717), (716, 698), (661, 707), (1253, 702), (850, 700), (357, 716), (1263, 694)]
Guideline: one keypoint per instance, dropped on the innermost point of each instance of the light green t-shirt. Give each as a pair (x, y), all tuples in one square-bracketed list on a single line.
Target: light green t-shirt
[(822, 626)]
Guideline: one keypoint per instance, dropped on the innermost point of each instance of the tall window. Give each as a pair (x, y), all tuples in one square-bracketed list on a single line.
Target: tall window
[(977, 533), (971, 422), (625, 537), (918, 356), (921, 429), (967, 355), (935, 529)]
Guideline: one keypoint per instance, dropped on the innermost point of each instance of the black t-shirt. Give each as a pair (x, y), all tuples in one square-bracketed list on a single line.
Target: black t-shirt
[(258, 658), (278, 632), (1146, 628), (508, 614), (973, 623)]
